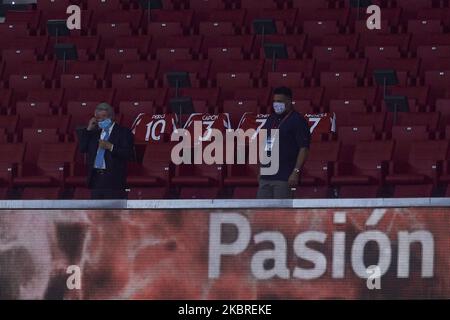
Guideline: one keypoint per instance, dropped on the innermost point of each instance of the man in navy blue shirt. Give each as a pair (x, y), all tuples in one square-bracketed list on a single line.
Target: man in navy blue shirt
[(293, 140)]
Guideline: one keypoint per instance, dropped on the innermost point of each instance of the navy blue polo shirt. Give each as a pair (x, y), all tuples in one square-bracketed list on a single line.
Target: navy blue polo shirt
[(293, 135)]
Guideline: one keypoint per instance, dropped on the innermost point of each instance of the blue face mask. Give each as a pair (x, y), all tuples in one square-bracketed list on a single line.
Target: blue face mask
[(279, 107), (105, 124)]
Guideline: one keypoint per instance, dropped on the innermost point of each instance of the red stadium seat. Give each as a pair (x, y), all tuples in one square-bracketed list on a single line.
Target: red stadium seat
[(210, 95), (316, 28), (129, 81), (262, 95), (253, 68), (430, 119), (243, 41), (234, 80), (438, 82), (158, 96), (310, 5), (337, 79), (369, 95), (199, 193), (87, 46), (184, 17), (15, 56), (385, 40), (4, 193), (302, 106), (318, 168), (147, 193), (37, 193), (206, 4), (421, 164), (141, 43), (341, 15), (368, 166), (431, 52), (359, 66), (78, 81), (45, 69), (237, 17), (163, 29), (131, 109), (104, 5), (29, 110), (60, 123), (11, 161), (12, 30), (445, 175), (236, 108), (315, 95), (98, 68), (26, 82), (355, 192), (31, 18), (173, 54), (406, 65), (87, 95), (413, 133), (5, 98), (241, 175), (192, 42), (198, 70), (81, 194), (421, 94), (295, 44), (133, 18), (211, 28), (110, 31), (53, 164), (346, 106), (424, 26), (224, 54), (245, 192), (443, 107), (410, 9), (37, 43), (353, 135), (413, 191), (188, 175), (266, 4), (121, 55), (305, 66), (150, 68), (336, 40), (389, 52), (329, 53), (287, 79), (364, 119), (35, 138), (311, 192), (156, 168), (9, 123)]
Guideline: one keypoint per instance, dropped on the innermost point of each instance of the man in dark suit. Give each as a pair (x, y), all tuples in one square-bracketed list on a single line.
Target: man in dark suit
[(108, 147)]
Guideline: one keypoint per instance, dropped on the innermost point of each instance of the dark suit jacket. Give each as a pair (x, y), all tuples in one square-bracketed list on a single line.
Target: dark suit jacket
[(116, 161)]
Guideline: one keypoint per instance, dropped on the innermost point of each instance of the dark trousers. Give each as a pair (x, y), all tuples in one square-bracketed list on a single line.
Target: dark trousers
[(274, 189), (101, 187)]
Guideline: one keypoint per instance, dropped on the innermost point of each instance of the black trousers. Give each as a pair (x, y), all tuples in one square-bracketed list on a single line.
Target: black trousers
[(101, 187)]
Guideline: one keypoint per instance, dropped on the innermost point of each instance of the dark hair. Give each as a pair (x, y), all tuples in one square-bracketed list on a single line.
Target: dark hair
[(284, 91)]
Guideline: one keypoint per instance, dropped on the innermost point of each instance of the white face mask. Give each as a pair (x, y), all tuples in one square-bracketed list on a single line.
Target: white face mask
[(279, 107)]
